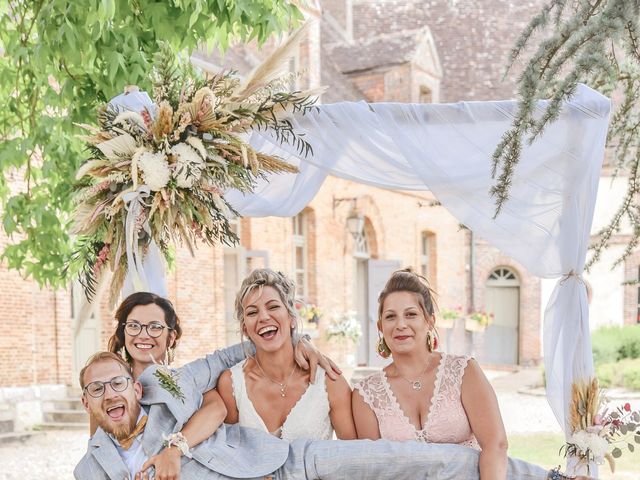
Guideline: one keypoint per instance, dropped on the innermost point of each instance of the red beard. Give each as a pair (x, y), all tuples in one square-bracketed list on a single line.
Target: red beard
[(118, 430)]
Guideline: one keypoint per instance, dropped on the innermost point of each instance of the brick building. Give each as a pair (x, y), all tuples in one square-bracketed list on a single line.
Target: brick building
[(406, 51)]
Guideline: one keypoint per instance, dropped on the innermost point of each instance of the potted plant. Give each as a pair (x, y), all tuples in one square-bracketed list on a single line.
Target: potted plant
[(448, 317), (344, 330), (478, 321), (310, 315), (344, 326)]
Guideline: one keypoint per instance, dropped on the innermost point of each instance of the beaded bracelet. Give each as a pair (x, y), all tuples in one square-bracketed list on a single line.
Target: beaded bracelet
[(554, 474), (179, 441)]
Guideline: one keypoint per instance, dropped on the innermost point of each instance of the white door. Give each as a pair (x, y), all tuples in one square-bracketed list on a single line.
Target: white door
[(234, 273), (235, 267), (86, 331), (502, 298), (362, 309), (378, 272)]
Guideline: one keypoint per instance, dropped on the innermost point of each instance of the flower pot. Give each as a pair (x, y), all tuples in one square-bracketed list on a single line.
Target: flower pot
[(446, 323), (472, 326)]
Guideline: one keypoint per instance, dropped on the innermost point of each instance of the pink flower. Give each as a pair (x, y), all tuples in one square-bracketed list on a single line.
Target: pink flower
[(102, 258), (627, 407), (597, 420)]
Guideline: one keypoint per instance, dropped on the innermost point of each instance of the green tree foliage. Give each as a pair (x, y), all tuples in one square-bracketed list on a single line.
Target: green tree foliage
[(59, 60), (592, 41)]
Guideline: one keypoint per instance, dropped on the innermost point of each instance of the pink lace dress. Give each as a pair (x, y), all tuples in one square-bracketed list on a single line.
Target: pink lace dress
[(446, 421)]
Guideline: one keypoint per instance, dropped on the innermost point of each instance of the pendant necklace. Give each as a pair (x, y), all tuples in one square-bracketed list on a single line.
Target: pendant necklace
[(283, 386), (415, 384)]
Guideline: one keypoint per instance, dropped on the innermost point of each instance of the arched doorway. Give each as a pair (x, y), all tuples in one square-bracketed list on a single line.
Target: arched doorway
[(502, 298)]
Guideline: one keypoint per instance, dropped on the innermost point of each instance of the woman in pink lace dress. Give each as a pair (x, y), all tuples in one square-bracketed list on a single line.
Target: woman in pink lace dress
[(426, 395)]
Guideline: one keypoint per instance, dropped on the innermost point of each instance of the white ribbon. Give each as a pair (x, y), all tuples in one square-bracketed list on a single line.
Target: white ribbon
[(134, 203), (134, 101)]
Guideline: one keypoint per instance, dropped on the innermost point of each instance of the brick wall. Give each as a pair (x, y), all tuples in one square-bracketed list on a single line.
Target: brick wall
[(34, 323), (398, 84), (371, 85)]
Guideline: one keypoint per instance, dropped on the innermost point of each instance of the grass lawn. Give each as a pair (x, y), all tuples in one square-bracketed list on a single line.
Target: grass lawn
[(542, 449)]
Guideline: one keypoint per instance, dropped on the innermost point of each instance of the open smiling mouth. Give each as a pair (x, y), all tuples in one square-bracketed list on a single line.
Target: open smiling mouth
[(116, 412), (143, 346), (268, 332)]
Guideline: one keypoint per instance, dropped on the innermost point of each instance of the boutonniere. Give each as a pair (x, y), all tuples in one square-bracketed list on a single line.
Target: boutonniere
[(168, 379)]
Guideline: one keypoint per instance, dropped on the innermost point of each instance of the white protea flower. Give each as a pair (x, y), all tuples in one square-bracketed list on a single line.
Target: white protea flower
[(579, 439), (598, 445), (188, 166), (155, 170)]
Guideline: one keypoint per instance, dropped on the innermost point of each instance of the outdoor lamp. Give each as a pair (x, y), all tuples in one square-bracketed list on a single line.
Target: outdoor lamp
[(355, 223)]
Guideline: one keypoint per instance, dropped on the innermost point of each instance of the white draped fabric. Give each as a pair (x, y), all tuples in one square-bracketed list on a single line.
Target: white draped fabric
[(446, 148)]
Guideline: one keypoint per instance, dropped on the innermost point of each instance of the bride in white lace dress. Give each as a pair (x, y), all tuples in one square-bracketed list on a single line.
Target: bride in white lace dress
[(269, 391)]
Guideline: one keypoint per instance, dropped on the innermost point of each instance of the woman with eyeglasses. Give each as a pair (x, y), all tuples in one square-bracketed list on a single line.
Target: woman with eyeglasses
[(147, 332)]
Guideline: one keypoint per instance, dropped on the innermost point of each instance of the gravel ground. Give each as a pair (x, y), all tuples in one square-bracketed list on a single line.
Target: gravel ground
[(49, 456), (53, 455)]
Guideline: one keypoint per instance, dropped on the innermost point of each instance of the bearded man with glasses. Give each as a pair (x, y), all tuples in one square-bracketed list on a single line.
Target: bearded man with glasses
[(135, 416)]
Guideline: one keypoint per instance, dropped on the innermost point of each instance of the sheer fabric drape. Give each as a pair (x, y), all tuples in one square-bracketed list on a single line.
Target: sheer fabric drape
[(447, 148)]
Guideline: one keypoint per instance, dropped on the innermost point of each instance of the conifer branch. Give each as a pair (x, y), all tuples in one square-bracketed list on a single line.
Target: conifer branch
[(598, 43)]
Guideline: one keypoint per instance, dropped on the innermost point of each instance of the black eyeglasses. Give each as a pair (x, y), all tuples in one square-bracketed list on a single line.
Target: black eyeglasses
[(118, 384), (154, 329)]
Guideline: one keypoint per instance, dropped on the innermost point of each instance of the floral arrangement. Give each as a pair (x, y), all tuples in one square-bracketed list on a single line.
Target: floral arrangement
[(484, 319), (308, 312), (450, 314), (593, 433), (344, 325), (158, 175)]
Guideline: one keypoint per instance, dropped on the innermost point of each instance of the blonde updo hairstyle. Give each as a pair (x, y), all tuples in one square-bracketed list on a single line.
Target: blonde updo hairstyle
[(406, 280), (265, 277)]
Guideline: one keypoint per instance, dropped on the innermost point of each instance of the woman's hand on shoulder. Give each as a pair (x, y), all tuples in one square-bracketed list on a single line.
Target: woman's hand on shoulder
[(308, 357)]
